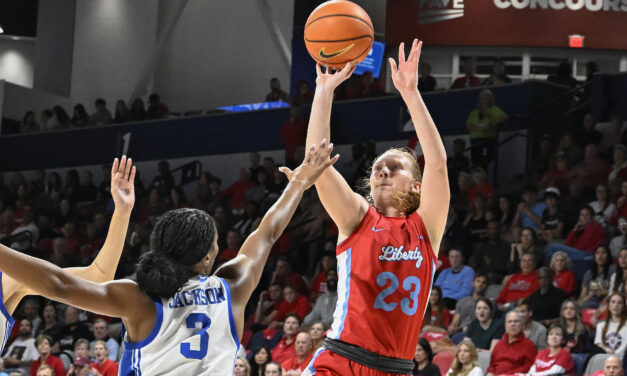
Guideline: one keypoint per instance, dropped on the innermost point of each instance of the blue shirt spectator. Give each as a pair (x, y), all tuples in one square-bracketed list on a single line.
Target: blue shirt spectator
[(529, 210), (456, 281)]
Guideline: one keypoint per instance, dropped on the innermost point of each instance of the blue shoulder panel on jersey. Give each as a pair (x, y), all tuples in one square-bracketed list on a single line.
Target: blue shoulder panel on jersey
[(153, 334), (10, 320), (231, 319)]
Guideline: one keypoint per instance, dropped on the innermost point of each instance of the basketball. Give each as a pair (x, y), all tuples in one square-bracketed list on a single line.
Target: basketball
[(338, 32)]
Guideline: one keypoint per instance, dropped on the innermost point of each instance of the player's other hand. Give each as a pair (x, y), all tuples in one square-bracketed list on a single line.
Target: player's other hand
[(405, 74), (316, 161), (123, 183)]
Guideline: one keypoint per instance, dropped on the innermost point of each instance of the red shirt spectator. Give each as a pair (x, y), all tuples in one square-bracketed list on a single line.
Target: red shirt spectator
[(237, 191), (286, 348), (292, 302), (284, 276), (587, 234), (108, 368), (510, 357), (52, 361), (304, 353), (519, 286), (545, 362), (484, 189), (468, 80), (564, 280), (293, 133)]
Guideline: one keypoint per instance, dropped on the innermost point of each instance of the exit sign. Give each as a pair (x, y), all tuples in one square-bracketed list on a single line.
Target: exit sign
[(575, 41)]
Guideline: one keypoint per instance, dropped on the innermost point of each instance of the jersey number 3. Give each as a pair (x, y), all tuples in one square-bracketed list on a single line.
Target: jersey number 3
[(410, 284), (192, 320)]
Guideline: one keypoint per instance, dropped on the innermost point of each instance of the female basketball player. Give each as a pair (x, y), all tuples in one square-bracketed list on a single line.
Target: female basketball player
[(178, 319), (104, 266), (391, 242)]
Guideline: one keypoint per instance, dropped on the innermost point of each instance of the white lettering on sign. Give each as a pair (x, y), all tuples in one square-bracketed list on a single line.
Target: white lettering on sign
[(432, 11), (589, 5)]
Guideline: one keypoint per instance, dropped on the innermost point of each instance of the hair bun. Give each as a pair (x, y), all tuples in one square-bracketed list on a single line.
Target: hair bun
[(158, 275)]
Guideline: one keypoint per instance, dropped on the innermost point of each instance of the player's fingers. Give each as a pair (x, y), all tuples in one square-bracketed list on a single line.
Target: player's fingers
[(127, 168), (132, 177), (122, 164), (114, 168), (331, 161), (286, 171), (308, 156), (318, 69), (393, 66), (401, 53)]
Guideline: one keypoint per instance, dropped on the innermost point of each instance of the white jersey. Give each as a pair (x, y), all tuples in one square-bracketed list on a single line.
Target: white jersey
[(194, 334), (6, 321)]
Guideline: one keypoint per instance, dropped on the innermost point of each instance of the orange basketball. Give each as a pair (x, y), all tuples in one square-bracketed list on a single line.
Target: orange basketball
[(337, 32)]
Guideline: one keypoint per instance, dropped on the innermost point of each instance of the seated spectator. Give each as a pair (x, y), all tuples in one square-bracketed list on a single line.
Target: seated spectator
[(273, 369), (284, 275), (233, 244), (241, 367), (81, 348), (587, 233), (423, 359), (28, 229), (476, 222), (587, 174), (292, 302), (101, 332), (456, 281), (611, 334), (587, 132), (563, 277), (269, 301), (492, 256), (276, 94), (22, 351), (152, 206), (552, 226), (304, 352), (436, 310), (316, 332), (621, 201), (44, 347), (88, 192), (520, 285), (469, 79), (43, 370), (458, 162), (303, 94), (555, 359), (164, 182), (481, 186), (327, 261), (177, 198), (603, 208), (513, 353), (596, 281), (498, 76), (325, 304), (577, 335), (466, 361), (102, 115), (620, 240), (122, 114), (529, 212), (293, 134), (138, 111), (50, 326), (73, 330), (29, 123), (426, 82), (618, 171), (465, 307), (79, 117), (533, 330), (286, 348), (49, 122), (482, 125), (81, 367), (618, 278), (528, 244), (547, 300), (484, 331), (611, 367), (556, 176), (368, 86), (156, 108), (260, 358), (62, 118), (236, 192), (103, 364)]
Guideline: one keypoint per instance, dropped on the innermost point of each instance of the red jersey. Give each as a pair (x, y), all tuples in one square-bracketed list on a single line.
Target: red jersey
[(385, 274), (519, 286), (545, 362), (564, 280)]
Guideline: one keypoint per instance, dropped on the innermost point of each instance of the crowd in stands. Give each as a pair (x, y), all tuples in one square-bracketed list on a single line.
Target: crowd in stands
[(532, 272)]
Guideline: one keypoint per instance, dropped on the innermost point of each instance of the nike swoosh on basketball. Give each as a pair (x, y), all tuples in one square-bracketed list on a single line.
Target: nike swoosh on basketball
[(378, 229), (325, 55)]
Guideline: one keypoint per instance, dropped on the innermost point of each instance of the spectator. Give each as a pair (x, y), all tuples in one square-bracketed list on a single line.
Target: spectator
[(50, 326), (545, 302), (426, 82), (233, 243), (138, 111), (325, 304), (80, 367), (236, 192), (102, 116), (273, 369), (484, 331), (292, 302), (612, 137), (73, 330), (466, 361), (284, 275), (436, 310), (587, 233), (491, 256), (513, 353), (49, 122), (29, 123), (268, 302), (621, 202), (552, 226), (533, 330), (543, 156), (528, 244), (88, 191), (458, 162), (456, 281), (257, 193), (53, 188), (276, 94), (327, 261), (555, 359), (31, 311), (122, 114), (285, 349), (423, 359), (303, 94), (304, 352), (618, 171), (587, 174), (44, 347), (156, 108), (79, 117), (529, 213), (101, 332), (481, 186), (28, 230), (498, 76), (164, 182), (317, 334), (620, 240), (557, 175), (476, 221), (62, 118), (465, 307), (469, 79), (563, 75), (103, 363), (215, 196), (603, 208), (368, 86), (611, 367), (520, 285), (293, 134), (577, 335), (241, 367), (81, 348), (260, 358), (22, 351), (596, 281), (563, 277), (611, 334), (588, 133), (482, 125)]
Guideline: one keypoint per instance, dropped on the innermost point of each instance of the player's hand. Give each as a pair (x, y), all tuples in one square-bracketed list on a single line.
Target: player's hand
[(405, 74), (316, 161), (123, 184), (329, 81)]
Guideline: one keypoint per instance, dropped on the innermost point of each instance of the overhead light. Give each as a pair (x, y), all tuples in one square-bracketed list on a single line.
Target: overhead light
[(1, 30)]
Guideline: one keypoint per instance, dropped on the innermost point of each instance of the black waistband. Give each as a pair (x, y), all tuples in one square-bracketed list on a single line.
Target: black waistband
[(369, 359)]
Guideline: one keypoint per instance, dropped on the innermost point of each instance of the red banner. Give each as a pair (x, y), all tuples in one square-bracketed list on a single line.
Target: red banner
[(542, 23)]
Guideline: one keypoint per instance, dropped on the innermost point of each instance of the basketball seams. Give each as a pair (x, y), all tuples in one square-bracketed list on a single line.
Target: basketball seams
[(338, 40), (340, 15)]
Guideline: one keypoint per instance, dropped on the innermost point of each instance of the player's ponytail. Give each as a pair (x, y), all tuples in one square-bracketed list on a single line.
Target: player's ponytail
[(180, 239)]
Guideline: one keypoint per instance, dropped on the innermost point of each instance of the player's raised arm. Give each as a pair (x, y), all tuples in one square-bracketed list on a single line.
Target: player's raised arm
[(345, 207), (244, 271), (435, 193)]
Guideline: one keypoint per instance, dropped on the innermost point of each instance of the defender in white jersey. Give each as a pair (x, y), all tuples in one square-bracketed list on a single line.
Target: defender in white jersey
[(102, 269), (179, 321)]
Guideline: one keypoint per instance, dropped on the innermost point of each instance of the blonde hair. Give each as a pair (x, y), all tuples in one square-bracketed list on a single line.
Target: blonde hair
[(407, 202), (103, 343), (45, 367), (246, 364), (457, 368)]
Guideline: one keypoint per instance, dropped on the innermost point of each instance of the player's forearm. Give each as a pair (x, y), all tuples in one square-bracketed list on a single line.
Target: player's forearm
[(106, 263), (320, 117), (428, 136)]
